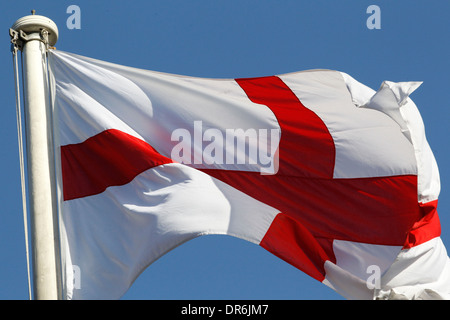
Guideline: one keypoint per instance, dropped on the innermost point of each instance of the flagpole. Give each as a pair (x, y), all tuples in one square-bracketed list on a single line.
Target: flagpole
[(35, 33)]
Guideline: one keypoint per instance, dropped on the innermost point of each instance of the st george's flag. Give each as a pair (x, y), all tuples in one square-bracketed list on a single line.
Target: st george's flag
[(327, 174)]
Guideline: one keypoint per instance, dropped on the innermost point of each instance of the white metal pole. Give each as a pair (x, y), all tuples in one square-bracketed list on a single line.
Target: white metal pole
[(36, 33)]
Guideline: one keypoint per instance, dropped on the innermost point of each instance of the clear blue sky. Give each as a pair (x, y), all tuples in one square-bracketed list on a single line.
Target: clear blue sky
[(229, 39)]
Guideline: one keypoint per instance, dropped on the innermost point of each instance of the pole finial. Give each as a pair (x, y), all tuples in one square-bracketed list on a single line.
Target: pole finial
[(33, 12), (35, 24)]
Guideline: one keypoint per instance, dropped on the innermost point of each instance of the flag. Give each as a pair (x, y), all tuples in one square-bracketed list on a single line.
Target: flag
[(327, 174)]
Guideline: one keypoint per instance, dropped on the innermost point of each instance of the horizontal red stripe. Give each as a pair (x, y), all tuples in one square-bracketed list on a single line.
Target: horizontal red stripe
[(378, 210), (110, 158)]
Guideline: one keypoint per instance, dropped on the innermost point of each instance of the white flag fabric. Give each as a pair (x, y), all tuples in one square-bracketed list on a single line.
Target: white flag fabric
[(315, 167)]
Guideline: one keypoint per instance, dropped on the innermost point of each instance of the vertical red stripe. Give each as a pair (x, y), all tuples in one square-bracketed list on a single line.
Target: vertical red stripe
[(306, 150)]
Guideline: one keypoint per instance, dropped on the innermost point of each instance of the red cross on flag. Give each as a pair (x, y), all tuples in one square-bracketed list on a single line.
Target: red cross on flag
[(313, 166)]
